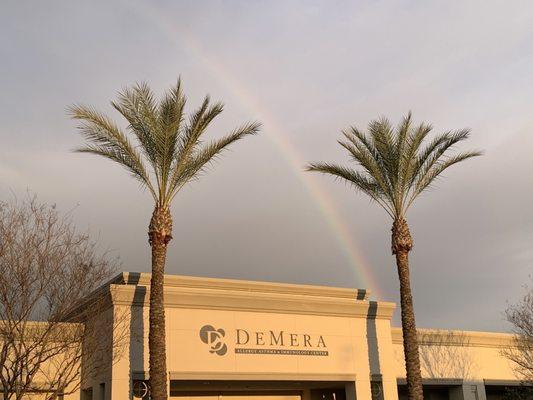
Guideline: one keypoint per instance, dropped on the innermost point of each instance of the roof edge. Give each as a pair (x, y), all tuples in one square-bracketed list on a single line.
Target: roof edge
[(448, 337), (143, 279)]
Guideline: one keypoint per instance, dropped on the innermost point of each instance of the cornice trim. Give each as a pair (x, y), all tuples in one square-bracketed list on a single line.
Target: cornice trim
[(462, 338), (143, 279), (202, 298)]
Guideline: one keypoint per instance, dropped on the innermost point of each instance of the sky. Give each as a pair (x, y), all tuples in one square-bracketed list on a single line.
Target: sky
[(306, 70)]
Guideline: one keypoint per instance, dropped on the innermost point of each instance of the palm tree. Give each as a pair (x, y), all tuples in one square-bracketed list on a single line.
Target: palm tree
[(396, 166), (163, 151)]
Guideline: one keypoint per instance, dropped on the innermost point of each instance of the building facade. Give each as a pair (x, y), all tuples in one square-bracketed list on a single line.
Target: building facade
[(238, 339)]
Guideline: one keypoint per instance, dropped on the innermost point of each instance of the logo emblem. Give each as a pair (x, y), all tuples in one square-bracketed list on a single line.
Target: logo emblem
[(214, 339)]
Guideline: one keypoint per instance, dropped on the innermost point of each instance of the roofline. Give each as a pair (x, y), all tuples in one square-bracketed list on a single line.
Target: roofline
[(110, 291), (464, 338), (184, 281)]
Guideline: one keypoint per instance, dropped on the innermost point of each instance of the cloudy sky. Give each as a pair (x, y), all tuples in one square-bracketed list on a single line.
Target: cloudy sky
[(306, 70)]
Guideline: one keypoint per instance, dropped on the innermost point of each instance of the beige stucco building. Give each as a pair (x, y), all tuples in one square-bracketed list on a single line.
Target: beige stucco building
[(270, 341)]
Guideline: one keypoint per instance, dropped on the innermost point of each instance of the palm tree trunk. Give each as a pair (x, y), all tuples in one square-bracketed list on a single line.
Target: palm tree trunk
[(160, 233), (410, 340), (402, 243)]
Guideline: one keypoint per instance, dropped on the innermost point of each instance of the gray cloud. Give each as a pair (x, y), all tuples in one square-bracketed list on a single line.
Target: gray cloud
[(307, 70)]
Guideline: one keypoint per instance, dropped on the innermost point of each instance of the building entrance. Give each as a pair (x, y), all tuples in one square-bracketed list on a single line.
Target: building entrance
[(236, 396), (257, 390)]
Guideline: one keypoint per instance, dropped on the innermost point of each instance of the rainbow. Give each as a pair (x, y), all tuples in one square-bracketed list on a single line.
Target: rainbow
[(362, 269)]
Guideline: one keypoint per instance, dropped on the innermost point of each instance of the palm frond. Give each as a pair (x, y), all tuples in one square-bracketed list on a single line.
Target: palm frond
[(365, 154), (196, 127), (171, 107), (402, 135), (437, 169), (356, 179), (410, 163), (402, 141), (171, 110), (383, 139), (188, 168), (136, 170), (437, 147), (382, 135), (137, 105), (109, 141), (434, 151)]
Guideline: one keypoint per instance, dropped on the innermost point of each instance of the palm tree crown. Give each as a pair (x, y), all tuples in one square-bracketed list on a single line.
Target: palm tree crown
[(396, 167), (164, 141)]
